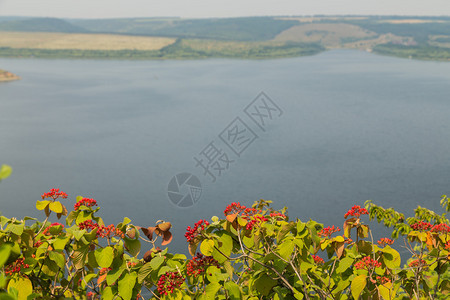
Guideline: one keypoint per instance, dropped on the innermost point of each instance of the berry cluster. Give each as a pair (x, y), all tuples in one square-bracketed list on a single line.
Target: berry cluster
[(37, 244), (86, 202), (54, 194), (16, 266), (417, 263), (233, 208), (131, 264), (192, 233), (383, 279), (356, 211), (168, 282), (447, 246), (421, 226), (237, 208), (367, 263), (102, 230), (88, 224), (255, 220), (318, 260), (348, 241), (199, 264), (46, 230), (277, 215), (92, 296), (385, 241), (441, 228), (328, 231), (104, 270)]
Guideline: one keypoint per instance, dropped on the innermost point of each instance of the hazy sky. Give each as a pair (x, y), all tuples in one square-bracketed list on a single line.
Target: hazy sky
[(215, 8)]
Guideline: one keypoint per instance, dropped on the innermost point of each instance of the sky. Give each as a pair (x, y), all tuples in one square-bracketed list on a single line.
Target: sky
[(217, 8)]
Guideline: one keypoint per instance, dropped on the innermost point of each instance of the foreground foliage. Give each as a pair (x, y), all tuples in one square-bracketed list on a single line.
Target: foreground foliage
[(252, 253)]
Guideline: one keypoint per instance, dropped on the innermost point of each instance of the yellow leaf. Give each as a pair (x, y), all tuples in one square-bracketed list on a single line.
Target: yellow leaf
[(56, 207), (22, 285), (207, 247), (386, 291), (41, 205), (358, 285)]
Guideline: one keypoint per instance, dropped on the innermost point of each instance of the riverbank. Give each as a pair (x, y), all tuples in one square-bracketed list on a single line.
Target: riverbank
[(7, 76), (181, 49)]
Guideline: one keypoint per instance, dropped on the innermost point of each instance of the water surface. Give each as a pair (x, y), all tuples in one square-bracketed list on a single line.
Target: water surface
[(355, 126)]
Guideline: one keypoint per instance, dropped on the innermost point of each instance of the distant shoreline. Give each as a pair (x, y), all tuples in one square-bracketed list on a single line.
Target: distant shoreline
[(7, 76), (413, 37), (416, 53)]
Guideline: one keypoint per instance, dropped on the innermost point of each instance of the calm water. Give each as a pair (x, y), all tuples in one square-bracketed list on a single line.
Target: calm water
[(355, 126)]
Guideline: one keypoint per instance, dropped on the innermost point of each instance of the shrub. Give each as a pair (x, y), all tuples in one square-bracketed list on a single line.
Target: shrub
[(251, 253)]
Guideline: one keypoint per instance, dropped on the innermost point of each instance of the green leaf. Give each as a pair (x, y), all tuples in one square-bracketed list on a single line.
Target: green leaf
[(87, 279), (104, 257), (300, 227), (285, 229), (126, 285), (358, 285), (386, 291), (71, 217), (179, 256), (242, 222), (144, 271), (225, 243), (60, 243), (233, 290), (207, 247), (5, 296), (107, 293), (285, 249), (211, 290), (5, 250), (156, 262), (58, 258), (264, 284), (248, 241), (344, 264), (56, 207), (41, 205), (5, 171), (4, 220), (133, 246), (78, 234), (298, 296), (17, 229), (211, 273), (113, 275), (23, 285), (79, 257), (339, 238), (391, 257)]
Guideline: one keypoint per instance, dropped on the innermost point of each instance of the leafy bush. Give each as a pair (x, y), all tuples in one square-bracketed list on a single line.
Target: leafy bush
[(252, 253)]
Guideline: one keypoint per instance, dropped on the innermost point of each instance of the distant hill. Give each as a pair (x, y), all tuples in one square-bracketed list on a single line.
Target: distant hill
[(245, 37), (238, 29), (41, 25)]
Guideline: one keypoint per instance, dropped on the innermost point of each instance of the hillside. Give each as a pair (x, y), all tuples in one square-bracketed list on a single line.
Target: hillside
[(248, 37), (40, 25), (241, 29)]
